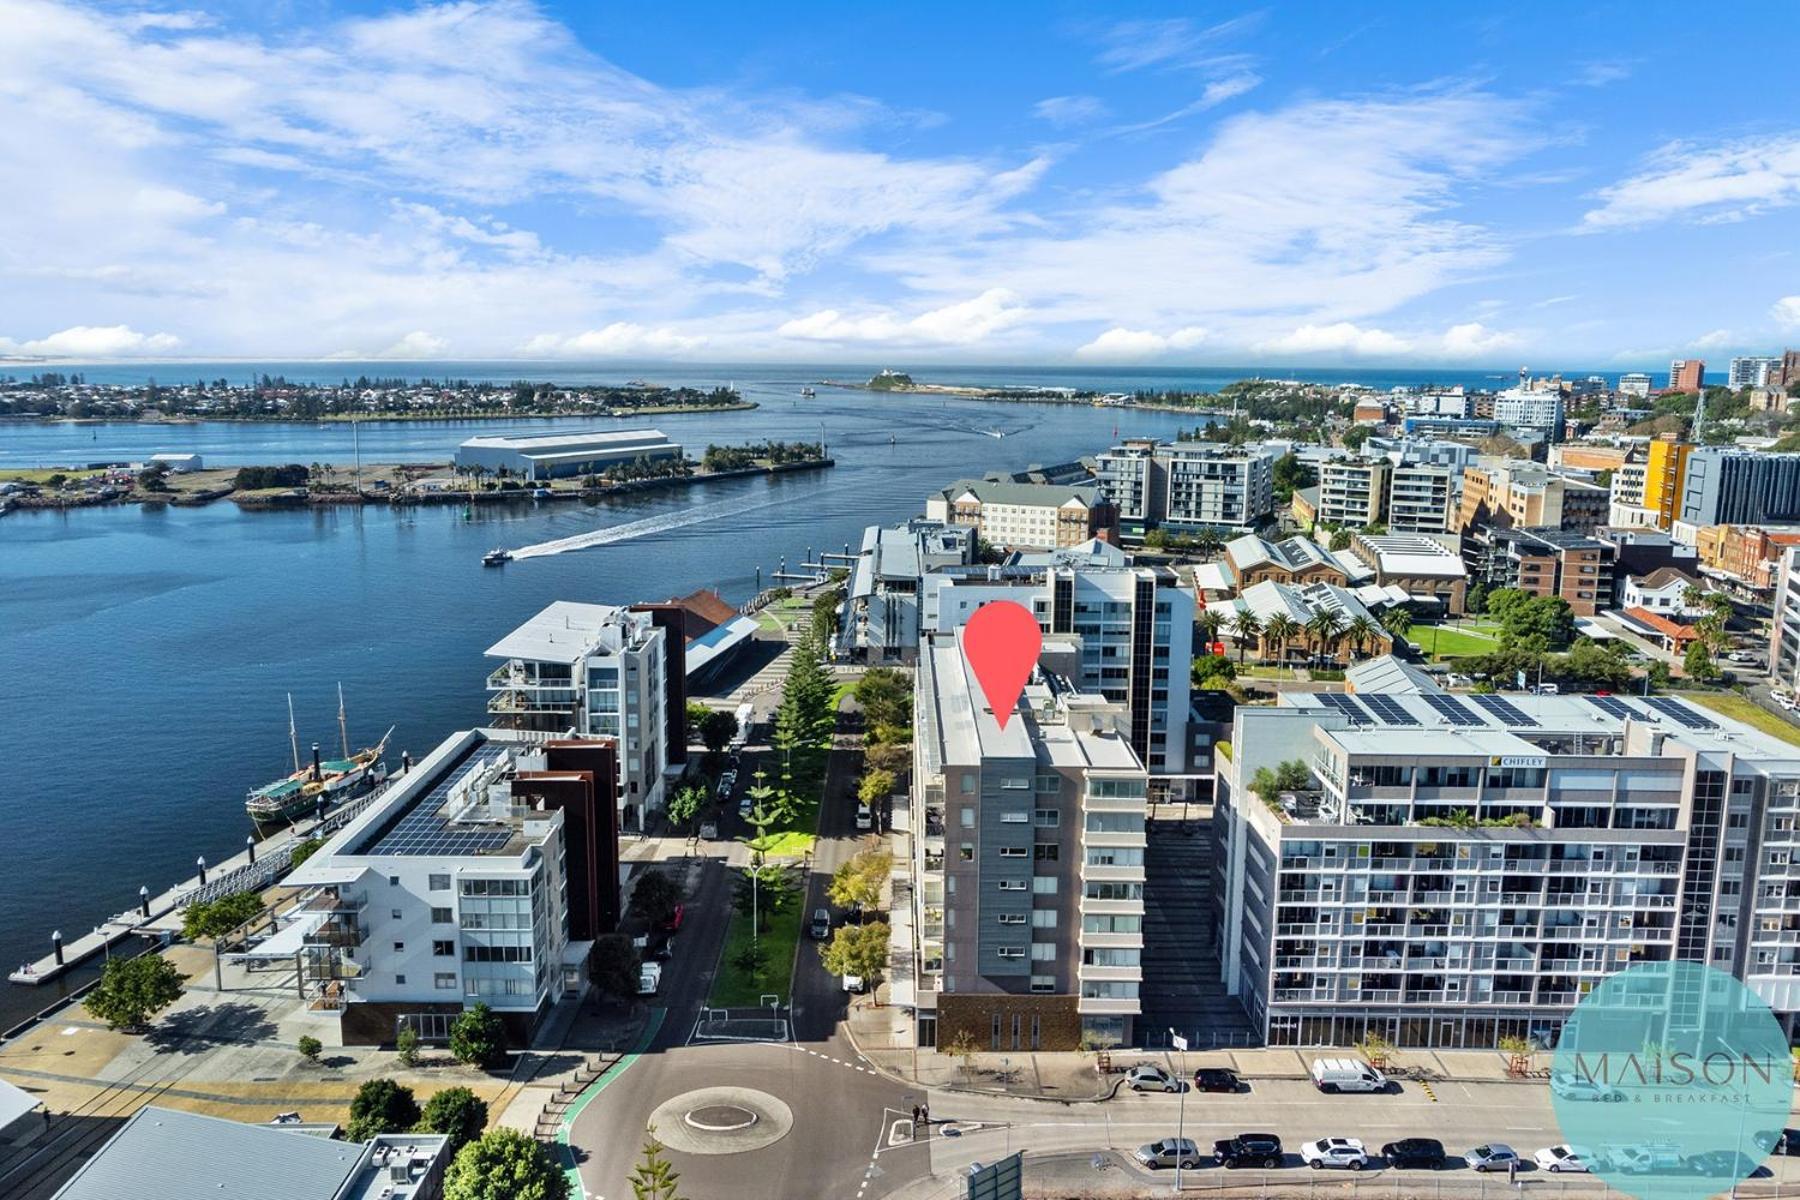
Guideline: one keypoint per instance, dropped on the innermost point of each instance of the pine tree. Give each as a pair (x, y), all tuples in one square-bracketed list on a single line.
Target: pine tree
[(654, 1178)]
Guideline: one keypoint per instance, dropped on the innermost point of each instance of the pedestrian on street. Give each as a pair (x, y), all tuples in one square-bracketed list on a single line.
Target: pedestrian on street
[(915, 1118), (925, 1113), (1512, 1172)]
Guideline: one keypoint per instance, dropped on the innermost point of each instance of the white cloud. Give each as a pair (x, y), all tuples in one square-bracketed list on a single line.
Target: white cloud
[(1219, 91), (1786, 312), (94, 341), (1713, 340), (417, 344), (1119, 344), (1069, 110), (1474, 340), (964, 323), (1342, 337), (621, 339), (1728, 182), (1173, 42)]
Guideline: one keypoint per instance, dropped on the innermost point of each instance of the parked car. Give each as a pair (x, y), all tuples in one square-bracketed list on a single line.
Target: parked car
[(1492, 1157), (864, 818), (1562, 1159), (1169, 1152), (854, 984), (676, 917), (1148, 1077), (727, 785), (1646, 1158), (1217, 1079), (1724, 1164), (744, 808), (1248, 1150), (1740, 656), (1333, 1075), (1783, 699), (1785, 1141), (1419, 1153), (649, 978), (1547, 689), (1578, 1087), (709, 830), (821, 925), (1347, 1153)]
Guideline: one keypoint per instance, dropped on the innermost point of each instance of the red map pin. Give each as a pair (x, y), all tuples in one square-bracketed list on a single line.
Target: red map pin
[(1001, 642)]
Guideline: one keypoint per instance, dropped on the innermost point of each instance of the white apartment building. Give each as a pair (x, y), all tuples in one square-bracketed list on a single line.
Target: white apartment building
[(1353, 491), (1752, 371), (1025, 927), (879, 621), (1634, 383), (1188, 486), (1527, 409), (1134, 627), (1461, 869), (446, 891), (1422, 498), (1784, 630), (1018, 516), (595, 670)]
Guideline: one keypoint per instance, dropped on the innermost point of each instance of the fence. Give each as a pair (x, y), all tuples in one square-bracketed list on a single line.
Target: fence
[(765, 1023), (273, 856)]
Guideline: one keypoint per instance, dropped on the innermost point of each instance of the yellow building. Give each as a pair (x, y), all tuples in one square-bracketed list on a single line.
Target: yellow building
[(1664, 473)]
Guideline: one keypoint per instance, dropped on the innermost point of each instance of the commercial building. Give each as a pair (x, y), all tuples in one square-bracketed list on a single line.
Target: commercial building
[(1745, 555), (594, 670), (1134, 627), (1353, 491), (1752, 371), (1725, 486), (1525, 408), (482, 874), (1025, 929), (1462, 869), (1687, 375), (168, 1154), (1187, 486), (713, 635), (1544, 562), (1634, 383), (1425, 567), (1024, 516), (880, 618), (1513, 492), (1251, 559), (559, 455), (1301, 604)]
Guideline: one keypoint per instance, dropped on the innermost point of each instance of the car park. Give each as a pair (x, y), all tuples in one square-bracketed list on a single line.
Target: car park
[(1217, 1079), (1148, 1077), (1491, 1157), (1169, 1152), (1345, 1153), (821, 925), (1333, 1075), (1577, 1087), (1248, 1150), (1417, 1153), (1562, 1160)]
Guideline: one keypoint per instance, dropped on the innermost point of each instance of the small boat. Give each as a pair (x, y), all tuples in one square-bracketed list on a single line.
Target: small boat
[(323, 781), (808, 392), (496, 557)]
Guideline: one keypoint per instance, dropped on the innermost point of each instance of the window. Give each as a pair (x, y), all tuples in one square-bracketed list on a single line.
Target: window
[(1015, 783), (966, 851), (1012, 852), (1043, 983), (400, 980), (393, 881), (444, 981), (442, 916), (1046, 852), (1010, 952), (1043, 952), (1018, 817), (399, 947), (1043, 885), (1012, 885), (1043, 918), (1046, 818), (442, 949), (438, 883), (1012, 918), (394, 913), (968, 818)]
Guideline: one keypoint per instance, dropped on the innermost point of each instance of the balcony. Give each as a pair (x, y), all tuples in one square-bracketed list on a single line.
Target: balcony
[(1095, 973), (1125, 1006), (539, 700)]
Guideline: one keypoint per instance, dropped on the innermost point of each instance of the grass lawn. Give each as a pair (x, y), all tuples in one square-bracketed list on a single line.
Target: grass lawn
[(1441, 641), (735, 987), (1736, 707)]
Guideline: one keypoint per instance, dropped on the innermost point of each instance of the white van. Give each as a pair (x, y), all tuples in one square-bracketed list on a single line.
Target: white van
[(1347, 1075)]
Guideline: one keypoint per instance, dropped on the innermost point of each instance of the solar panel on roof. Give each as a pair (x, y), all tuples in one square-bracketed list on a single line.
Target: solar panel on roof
[(1452, 710), (1505, 709), (1389, 710), (1612, 706), (1347, 706), (423, 831), (1680, 713)]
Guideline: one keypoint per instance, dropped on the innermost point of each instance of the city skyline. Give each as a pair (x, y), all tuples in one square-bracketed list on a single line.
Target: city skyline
[(510, 180)]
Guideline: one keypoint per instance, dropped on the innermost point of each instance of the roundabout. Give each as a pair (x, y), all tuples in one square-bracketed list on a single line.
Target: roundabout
[(721, 1120)]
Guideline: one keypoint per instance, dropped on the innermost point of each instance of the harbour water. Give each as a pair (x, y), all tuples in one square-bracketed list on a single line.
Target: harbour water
[(147, 651)]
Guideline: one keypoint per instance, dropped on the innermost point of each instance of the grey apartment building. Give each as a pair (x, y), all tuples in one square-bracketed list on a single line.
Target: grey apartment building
[(1025, 922), (1187, 486), (1740, 487), (1466, 868)]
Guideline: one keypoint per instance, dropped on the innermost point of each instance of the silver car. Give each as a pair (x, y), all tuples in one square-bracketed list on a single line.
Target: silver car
[(1169, 1152), (1148, 1077)]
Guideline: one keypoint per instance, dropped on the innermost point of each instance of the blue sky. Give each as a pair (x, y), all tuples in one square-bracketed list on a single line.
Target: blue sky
[(1589, 185)]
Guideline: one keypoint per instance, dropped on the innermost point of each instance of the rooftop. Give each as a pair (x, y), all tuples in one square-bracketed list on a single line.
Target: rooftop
[(1412, 554), (1006, 491), (553, 443), (566, 631)]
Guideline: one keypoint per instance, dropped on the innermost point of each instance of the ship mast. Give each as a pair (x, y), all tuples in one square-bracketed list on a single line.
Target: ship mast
[(293, 735), (343, 729)]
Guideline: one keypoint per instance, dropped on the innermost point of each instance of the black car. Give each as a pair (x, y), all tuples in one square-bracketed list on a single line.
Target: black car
[(1216, 1079), (1423, 1153), (1248, 1150)]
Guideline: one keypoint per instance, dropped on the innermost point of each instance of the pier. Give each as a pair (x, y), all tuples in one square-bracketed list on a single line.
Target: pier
[(257, 866)]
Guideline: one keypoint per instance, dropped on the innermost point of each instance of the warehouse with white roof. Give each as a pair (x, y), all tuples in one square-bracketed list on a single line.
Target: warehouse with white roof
[(559, 455)]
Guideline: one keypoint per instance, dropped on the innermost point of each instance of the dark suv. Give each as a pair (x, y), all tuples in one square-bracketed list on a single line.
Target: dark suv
[(1426, 1153), (1248, 1150), (1216, 1079)]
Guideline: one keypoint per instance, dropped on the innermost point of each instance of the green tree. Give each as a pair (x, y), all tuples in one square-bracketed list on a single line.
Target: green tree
[(857, 883), (504, 1164), (696, 713), (1475, 600), (477, 1037), (1660, 676), (1340, 539), (654, 897), (613, 965), (876, 786), (1360, 632), (1356, 435), (406, 1047), (717, 728), (1290, 776), (458, 1114), (1596, 666), (1209, 622), (655, 1177), (857, 950), (766, 889), (381, 1106), (216, 918), (686, 804), (893, 757), (1213, 671), (1246, 627), (1397, 621), (1326, 626), (310, 1047), (132, 989), (1292, 474), (303, 851), (1278, 630), (885, 697), (1697, 663)]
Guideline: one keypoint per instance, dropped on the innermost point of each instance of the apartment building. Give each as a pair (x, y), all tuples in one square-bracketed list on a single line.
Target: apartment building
[(1544, 562), (1634, 383), (1353, 491), (1134, 627), (1462, 869), (1728, 486), (1687, 375), (1527, 408), (1752, 371), (1422, 498), (1665, 475), (1514, 492), (1024, 516), (1784, 630), (879, 621), (1187, 486), (1025, 928), (594, 670), (482, 874)]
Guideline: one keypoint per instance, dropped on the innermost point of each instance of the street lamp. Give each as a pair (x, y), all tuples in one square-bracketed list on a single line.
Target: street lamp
[(1181, 1044)]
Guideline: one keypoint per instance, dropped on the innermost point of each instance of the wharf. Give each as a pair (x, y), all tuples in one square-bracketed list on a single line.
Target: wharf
[(256, 867)]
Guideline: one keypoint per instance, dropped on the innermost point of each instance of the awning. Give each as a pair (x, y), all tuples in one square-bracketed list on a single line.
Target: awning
[(287, 942), (14, 1103)]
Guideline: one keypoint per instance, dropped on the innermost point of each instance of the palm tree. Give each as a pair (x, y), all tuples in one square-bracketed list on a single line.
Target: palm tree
[(1397, 621), (1360, 631), (1245, 627), (1277, 630), (1208, 543), (1693, 596), (1209, 622), (1326, 626)]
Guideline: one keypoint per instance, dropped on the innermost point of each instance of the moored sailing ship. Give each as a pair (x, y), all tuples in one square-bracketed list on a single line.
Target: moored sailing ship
[(321, 782)]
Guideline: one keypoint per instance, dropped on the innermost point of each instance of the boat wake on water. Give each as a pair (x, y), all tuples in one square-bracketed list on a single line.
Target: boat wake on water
[(644, 527)]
